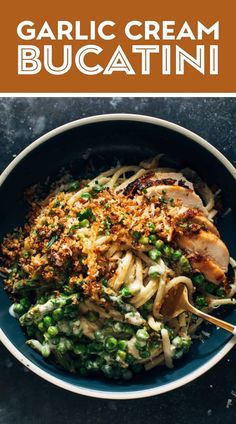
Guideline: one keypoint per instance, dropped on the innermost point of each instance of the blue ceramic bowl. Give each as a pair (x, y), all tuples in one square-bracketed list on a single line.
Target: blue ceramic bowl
[(102, 140)]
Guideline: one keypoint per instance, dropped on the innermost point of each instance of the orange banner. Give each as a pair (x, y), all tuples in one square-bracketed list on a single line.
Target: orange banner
[(126, 46)]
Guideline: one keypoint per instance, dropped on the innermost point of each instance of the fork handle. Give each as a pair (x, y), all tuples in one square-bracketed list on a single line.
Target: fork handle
[(216, 321)]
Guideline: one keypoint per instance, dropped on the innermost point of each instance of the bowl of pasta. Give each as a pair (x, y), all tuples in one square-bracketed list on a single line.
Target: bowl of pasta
[(101, 218)]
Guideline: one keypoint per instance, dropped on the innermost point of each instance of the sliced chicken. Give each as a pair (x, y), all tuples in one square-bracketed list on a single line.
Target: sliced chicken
[(182, 196), (209, 268), (202, 220), (176, 176), (210, 255), (158, 178), (207, 245)]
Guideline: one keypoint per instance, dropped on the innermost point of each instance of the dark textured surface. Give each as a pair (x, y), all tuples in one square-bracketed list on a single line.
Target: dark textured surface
[(24, 398)]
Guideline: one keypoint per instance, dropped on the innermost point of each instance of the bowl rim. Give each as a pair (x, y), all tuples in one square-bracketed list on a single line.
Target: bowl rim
[(100, 393)]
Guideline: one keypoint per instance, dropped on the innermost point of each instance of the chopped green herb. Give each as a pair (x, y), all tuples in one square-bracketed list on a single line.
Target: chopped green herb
[(52, 241), (86, 214), (137, 235)]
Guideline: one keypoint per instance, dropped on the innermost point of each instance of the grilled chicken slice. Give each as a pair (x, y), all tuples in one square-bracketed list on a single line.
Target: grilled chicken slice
[(154, 179), (175, 176), (210, 255), (203, 221), (182, 196), (209, 268), (208, 245)]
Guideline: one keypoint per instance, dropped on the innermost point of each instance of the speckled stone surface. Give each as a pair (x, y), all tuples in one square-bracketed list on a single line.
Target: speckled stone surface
[(24, 397)]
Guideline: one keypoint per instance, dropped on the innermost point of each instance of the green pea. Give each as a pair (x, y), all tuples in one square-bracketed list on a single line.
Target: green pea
[(108, 370), (128, 329), (47, 320), (25, 302), (209, 287), (18, 309), (41, 326), (198, 279), (152, 238), (144, 354), (111, 343), (159, 244), (201, 302), (45, 351), (154, 254), (125, 292), (129, 359), (142, 335), (183, 261), (52, 330), (80, 349), (99, 336), (71, 311), (84, 223), (122, 344), (118, 327), (144, 240), (57, 314), (168, 251), (176, 255), (151, 226), (153, 271), (86, 196), (61, 347), (121, 355), (220, 292), (185, 265), (94, 347), (178, 342), (31, 331)]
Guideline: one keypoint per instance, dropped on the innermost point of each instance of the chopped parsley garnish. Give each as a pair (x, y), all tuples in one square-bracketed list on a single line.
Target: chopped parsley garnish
[(137, 235), (86, 214), (52, 241)]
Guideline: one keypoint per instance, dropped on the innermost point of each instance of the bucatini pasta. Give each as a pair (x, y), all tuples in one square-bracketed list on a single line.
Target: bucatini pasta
[(90, 269)]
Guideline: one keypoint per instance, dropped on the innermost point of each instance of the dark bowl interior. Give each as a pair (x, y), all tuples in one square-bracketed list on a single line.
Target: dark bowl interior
[(89, 149)]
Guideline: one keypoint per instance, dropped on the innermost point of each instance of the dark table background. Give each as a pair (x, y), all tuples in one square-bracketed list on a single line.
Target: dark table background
[(24, 397)]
